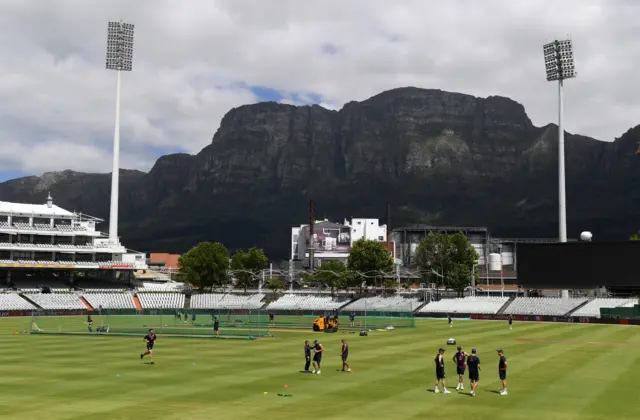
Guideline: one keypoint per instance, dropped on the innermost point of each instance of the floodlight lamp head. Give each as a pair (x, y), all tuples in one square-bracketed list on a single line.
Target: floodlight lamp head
[(558, 60), (119, 46)]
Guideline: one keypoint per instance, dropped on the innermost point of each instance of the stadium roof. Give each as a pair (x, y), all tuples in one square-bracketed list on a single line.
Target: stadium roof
[(33, 209), (441, 228)]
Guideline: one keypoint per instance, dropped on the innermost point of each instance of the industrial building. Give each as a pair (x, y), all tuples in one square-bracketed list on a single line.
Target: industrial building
[(333, 241), (406, 241)]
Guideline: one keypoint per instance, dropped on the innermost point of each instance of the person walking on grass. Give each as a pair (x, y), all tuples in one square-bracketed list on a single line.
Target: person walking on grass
[(510, 322), (317, 356), (502, 371), (344, 353), (440, 376), (150, 340), (473, 363), (450, 321)]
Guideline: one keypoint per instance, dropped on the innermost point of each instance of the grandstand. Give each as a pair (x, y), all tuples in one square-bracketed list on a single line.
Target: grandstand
[(466, 305), (226, 301), (45, 248), (383, 304), (153, 300), (592, 308), (56, 301), (543, 306), (292, 302), (13, 302), (112, 300)]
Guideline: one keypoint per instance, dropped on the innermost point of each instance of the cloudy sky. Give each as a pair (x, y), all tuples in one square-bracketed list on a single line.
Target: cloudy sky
[(196, 59)]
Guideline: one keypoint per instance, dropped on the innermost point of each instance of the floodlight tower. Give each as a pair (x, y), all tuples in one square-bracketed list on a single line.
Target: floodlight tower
[(558, 60), (119, 58)]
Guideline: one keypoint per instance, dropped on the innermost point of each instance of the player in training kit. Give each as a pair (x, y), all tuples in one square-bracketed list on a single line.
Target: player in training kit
[(345, 354), (510, 322), (150, 339), (460, 358), (502, 371), (440, 377), (307, 356), (450, 321), (317, 356), (216, 326), (473, 363)]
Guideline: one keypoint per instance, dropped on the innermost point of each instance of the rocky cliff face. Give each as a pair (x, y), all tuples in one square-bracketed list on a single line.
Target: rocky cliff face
[(439, 157)]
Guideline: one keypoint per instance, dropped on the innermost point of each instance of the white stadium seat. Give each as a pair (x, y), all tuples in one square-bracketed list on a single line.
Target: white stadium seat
[(226, 301), (150, 300), (56, 301), (14, 302), (293, 302), (543, 306), (467, 305), (113, 300), (383, 304), (592, 309)]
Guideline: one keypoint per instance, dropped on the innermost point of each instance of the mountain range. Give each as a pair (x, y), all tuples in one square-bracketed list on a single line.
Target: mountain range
[(440, 158)]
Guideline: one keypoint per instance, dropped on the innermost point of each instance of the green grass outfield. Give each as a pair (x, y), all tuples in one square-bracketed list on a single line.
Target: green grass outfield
[(561, 371)]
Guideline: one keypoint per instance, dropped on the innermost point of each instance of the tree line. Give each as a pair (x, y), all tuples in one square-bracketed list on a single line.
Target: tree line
[(446, 260)]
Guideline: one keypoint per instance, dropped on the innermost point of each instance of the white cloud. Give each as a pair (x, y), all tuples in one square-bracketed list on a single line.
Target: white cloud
[(193, 61)]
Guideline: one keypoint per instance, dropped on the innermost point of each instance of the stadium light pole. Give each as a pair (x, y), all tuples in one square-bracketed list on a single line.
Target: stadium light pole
[(559, 64), (119, 58)]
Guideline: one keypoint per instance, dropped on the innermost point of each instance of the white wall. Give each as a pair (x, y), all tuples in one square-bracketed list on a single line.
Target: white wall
[(367, 229), (139, 260), (295, 231)]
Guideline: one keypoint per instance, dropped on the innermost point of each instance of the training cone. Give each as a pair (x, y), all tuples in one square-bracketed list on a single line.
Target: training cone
[(265, 393), (286, 386)]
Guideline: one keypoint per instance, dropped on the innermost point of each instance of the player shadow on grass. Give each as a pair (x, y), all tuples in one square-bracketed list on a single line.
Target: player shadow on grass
[(492, 390)]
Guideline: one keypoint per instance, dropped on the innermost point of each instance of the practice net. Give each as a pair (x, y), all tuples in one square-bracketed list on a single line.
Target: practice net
[(363, 314), (237, 323)]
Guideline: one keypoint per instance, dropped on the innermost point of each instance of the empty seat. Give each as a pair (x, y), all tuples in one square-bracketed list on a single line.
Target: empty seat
[(543, 306), (57, 301), (113, 300), (161, 300), (592, 309), (226, 301), (14, 302), (293, 302), (383, 304), (466, 305)]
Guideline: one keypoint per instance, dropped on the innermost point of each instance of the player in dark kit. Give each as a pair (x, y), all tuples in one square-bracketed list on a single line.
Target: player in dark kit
[(307, 356), (440, 377), (460, 358), (216, 326), (344, 353), (502, 371), (150, 339), (473, 363), (450, 321), (317, 356), (510, 322)]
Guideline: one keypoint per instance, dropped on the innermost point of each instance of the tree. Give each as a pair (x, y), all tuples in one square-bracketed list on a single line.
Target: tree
[(447, 260), (205, 265), (275, 285), (332, 274), (247, 266), (368, 258)]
